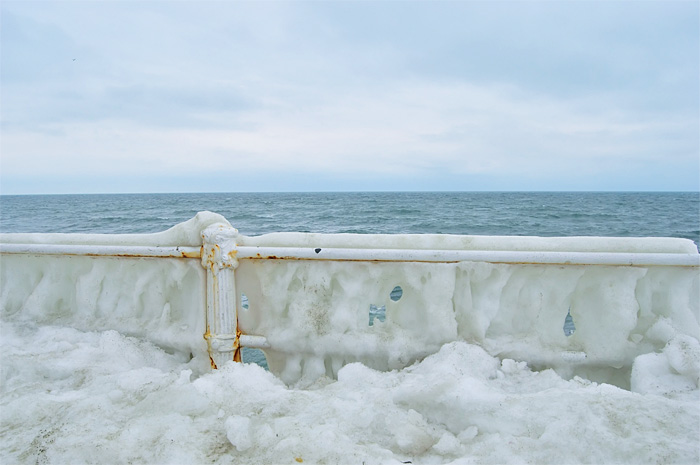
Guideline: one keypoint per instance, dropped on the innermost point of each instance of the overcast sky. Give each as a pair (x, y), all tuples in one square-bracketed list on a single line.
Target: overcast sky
[(164, 96)]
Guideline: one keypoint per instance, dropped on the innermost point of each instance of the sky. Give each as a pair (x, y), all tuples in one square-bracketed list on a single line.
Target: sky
[(165, 96)]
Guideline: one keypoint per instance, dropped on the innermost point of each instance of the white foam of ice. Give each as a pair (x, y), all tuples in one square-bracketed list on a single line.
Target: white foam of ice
[(70, 396)]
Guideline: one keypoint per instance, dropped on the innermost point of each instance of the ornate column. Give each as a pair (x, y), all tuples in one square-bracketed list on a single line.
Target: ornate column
[(219, 259)]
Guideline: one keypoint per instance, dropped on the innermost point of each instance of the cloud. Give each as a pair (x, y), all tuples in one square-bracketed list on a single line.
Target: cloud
[(403, 130), (454, 91)]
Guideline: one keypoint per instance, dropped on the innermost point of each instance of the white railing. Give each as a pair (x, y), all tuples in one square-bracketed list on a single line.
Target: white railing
[(310, 296)]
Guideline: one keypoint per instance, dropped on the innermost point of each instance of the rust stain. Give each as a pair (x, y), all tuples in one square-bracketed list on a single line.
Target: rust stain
[(495, 262), (207, 337), (191, 254), (237, 346), (298, 459), (183, 254), (274, 257), (134, 255)]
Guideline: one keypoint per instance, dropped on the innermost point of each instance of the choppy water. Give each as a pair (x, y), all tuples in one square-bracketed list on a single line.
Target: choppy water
[(483, 213)]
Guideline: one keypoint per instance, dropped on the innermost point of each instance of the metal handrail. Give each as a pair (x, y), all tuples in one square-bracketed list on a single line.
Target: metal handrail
[(220, 255), (102, 250), (366, 254), (453, 256)]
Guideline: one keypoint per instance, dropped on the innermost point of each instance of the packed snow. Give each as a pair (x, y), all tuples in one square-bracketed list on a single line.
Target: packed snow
[(100, 397), (104, 361)]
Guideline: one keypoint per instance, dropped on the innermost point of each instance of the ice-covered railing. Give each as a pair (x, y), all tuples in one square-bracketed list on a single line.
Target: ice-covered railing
[(314, 302)]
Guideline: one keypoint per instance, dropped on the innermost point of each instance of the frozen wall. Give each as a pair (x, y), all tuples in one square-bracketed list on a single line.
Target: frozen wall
[(318, 315), (159, 299)]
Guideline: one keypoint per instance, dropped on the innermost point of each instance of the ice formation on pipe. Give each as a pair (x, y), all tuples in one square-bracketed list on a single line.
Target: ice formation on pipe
[(455, 242), (183, 234), (160, 299), (315, 315)]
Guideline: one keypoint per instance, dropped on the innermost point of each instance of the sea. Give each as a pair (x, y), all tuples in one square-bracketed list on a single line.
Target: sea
[(626, 214)]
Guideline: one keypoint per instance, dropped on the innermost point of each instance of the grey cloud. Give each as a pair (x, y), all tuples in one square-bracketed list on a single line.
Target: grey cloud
[(34, 51), (149, 105)]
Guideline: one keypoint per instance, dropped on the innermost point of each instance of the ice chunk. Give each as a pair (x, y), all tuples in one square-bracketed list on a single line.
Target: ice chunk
[(143, 405), (238, 432), (683, 354)]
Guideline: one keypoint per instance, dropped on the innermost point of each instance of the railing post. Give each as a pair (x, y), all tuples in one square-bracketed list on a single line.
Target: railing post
[(219, 259)]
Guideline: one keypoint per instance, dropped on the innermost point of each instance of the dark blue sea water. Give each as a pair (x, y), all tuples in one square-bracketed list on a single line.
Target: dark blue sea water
[(668, 214)]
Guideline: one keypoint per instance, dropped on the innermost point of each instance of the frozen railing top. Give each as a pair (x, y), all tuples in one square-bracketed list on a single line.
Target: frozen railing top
[(187, 234), (482, 243), (314, 302), (186, 238)]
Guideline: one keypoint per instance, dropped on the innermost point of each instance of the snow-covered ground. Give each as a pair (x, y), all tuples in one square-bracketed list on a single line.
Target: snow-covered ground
[(70, 396), (103, 359)]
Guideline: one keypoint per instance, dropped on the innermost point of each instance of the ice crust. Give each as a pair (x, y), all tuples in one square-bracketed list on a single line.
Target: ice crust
[(315, 315), (70, 396), (455, 242), (161, 300), (183, 234), (103, 359)]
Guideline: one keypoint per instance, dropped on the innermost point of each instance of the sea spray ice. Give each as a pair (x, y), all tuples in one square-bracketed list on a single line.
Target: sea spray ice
[(316, 315), (76, 390), (99, 397)]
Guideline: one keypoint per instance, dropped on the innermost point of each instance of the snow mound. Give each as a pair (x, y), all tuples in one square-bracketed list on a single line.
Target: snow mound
[(94, 397)]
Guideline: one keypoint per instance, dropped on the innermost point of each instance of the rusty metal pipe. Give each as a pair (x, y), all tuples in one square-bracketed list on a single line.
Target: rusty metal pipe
[(254, 342), (451, 256), (101, 250)]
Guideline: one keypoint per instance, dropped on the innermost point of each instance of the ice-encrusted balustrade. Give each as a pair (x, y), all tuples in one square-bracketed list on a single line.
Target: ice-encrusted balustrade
[(315, 302)]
